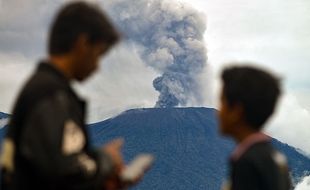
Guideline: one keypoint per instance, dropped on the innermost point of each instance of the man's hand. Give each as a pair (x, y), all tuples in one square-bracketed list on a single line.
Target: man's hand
[(113, 149), (114, 182)]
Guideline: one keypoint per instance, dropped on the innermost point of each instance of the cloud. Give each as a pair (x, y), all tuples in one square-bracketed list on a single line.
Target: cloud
[(304, 184), (15, 69), (170, 35), (274, 34), (154, 45), (22, 29), (3, 122), (279, 40), (25, 24), (122, 82), (290, 123)]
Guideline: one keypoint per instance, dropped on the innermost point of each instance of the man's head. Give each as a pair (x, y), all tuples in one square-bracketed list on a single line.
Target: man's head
[(248, 98), (82, 32)]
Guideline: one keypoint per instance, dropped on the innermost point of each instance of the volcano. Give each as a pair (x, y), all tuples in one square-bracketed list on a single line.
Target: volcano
[(189, 151)]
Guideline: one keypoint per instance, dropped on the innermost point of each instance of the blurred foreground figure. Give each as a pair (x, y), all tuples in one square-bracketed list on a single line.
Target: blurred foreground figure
[(47, 145), (248, 99)]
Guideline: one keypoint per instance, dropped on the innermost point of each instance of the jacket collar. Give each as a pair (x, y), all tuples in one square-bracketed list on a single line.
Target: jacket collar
[(48, 67), (248, 143)]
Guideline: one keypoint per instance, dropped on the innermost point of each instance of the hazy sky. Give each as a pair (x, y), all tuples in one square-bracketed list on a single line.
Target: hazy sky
[(273, 33), (276, 35)]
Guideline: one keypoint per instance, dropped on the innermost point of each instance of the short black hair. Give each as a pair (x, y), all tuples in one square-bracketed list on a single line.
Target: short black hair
[(256, 90), (79, 18)]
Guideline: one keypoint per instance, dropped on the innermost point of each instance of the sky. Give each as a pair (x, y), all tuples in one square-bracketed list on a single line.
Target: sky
[(272, 34), (275, 35)]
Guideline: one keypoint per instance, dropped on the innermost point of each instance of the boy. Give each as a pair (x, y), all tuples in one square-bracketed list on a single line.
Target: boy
[(248, 99)]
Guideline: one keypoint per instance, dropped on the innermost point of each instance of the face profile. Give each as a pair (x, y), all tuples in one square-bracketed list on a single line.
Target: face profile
[(229, 116), (87, 58)]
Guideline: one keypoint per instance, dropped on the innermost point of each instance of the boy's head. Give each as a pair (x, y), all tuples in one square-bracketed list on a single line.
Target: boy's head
[(248, 98), (83, 31)]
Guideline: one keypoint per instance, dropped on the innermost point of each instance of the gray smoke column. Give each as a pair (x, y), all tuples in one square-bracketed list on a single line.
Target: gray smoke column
[(169, 38)]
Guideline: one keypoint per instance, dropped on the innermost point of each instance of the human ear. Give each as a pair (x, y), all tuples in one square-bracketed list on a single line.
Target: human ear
[(82, 43), (237, 113)]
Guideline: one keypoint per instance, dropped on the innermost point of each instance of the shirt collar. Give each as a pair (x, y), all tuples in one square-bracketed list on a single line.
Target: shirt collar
[(247, 143), (46, 66), (49, 67)]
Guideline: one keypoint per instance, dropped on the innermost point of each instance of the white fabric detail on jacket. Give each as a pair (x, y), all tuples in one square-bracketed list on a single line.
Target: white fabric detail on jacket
[(73, 138)]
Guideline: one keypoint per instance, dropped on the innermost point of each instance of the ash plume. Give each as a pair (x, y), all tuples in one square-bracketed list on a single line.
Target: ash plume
[(169, 38)]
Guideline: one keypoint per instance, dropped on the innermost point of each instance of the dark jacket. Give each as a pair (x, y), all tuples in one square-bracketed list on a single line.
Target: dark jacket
[(260, 167), (51, 147)]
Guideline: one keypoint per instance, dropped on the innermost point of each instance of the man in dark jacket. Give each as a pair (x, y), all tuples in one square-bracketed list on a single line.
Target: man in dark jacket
[(47, 145), (248, 98)]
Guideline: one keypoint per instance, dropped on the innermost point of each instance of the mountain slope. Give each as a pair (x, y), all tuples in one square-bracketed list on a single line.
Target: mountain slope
[(190, 154), (2, 128)]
